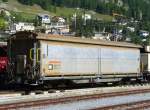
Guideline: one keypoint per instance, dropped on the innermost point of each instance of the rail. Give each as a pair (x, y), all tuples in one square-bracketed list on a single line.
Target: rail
[(71, 96)]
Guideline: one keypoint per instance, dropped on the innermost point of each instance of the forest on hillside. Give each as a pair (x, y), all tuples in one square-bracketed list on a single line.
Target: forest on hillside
[(138, 9)]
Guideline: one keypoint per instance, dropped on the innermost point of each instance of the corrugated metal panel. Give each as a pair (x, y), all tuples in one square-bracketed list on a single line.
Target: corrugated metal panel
[(75, 60), (72, 59), (119, 60)]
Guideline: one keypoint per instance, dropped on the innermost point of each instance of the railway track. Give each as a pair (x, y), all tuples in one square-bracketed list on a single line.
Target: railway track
[(80, 95), (142, 105)]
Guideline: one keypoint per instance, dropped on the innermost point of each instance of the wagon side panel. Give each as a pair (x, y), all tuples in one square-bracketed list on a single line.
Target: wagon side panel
[(120, 60), (69, 60)]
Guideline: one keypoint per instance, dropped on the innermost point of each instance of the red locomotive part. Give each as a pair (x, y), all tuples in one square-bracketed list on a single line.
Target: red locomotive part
[(3, 59)]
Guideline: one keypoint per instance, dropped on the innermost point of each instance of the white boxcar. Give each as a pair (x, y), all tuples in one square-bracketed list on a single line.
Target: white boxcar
[(66, 59), (74, 57), (62, 57)]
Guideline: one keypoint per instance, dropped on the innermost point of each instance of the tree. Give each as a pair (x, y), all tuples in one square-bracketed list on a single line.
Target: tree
[(136, 8), (135, 38), (2, 24), (5, 0), (81, 28), (147, 42)]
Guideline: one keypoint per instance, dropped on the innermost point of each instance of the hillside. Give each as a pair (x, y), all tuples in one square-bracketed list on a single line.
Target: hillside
[(29, 11), (26, 11), (137, 9), (102, 12)]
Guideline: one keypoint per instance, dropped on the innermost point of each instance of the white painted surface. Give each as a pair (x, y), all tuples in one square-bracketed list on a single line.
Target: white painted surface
[(75, 59)]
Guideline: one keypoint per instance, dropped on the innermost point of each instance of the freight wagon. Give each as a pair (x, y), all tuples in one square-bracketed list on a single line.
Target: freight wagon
[(41, 58)]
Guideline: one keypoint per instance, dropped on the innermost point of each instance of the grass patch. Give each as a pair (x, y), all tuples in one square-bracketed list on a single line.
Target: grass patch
[(67, 12), (29, 12)]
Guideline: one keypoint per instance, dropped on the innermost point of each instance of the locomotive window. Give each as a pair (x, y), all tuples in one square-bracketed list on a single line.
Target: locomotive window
[(3, 53)]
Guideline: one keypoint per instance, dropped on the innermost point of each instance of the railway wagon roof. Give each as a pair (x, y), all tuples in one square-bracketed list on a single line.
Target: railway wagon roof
[(60, 38), (86, 41)]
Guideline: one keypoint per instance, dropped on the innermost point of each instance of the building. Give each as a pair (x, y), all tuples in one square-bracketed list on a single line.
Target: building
[(102, 35), (86, 16), (131, 29), (53, 25), (3, 34), (144, 33), (58, 25), (58, 28), (43, 19), (119, 3), (58, 19), (22, 26)]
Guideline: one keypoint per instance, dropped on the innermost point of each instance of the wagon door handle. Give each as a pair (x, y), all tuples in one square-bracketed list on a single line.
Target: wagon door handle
[(30, 55), (37, 54)]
